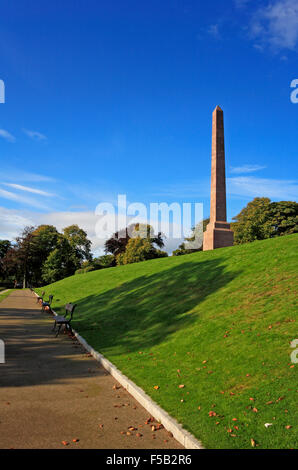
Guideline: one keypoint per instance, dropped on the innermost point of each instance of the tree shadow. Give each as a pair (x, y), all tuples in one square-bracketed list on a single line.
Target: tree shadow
[(33, 355), (145, 311)]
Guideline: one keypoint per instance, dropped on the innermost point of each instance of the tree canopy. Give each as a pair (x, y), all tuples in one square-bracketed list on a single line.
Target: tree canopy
[(262, 219)]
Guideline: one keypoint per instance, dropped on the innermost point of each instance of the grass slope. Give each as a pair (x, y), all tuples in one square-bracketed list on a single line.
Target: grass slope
[(219, 322)]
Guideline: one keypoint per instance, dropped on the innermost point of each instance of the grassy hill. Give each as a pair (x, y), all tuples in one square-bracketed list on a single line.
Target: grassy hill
[(219, 322)]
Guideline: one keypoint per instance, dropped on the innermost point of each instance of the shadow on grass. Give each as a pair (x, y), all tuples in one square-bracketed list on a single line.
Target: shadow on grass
[(143, 312)]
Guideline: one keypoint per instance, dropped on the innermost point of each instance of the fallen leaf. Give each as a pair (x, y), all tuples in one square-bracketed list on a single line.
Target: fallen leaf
[(138, 434), (65, 443), (75, 440), (251, 399), (288, 426), (234, 419), (156, 387), (253, 443), (181, 386), (255, 410), (267, 425)]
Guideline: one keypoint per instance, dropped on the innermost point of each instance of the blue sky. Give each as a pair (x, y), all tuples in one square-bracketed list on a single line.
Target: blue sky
[(108, 98)]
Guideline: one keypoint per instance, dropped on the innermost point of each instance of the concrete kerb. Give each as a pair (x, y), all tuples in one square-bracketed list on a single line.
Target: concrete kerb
[(180, 434)]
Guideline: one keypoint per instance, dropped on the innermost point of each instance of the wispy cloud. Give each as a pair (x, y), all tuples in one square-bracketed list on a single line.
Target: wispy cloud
[(21, 199), (246, 168), (213, 30), (7, 136), (35, 135), (276, 25), (12, 221), (250, 186), (13, 174), (28, 189)]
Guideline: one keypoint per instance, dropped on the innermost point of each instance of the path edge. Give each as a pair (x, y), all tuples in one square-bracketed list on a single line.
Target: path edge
[(179, 433)]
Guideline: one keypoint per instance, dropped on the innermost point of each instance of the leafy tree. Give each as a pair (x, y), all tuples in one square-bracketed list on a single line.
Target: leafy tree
[(77, 238), (105, 261), (61, 262), (284, 217), (139, 249), (262, 219), (119, 240), (5, 245), (184, 249)]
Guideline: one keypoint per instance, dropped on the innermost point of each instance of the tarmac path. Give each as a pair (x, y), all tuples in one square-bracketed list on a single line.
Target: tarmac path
[(51, 390)]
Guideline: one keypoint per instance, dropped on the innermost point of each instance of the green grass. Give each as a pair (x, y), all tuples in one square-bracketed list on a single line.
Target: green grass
[(218, 322), (3, 296)]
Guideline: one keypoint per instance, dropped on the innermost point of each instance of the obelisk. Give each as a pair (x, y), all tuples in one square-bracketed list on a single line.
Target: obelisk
[(218, 232)]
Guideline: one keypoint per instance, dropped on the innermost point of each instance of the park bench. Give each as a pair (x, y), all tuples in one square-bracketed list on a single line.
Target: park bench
[(60, 320), (40, 298), (47, 304)]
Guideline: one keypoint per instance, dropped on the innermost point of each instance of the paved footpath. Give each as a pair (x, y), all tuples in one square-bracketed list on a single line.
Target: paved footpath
[(51, 390)]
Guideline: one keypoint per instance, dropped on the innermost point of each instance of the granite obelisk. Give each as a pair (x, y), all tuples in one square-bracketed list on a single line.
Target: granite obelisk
[(218, 232)]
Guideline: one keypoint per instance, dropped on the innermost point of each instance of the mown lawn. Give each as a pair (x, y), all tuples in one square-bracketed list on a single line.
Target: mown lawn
[(219, 322)]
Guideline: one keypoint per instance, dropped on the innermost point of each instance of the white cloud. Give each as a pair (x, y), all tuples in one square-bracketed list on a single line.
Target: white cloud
[(14, 174), (250, 186), (34, 135), (21, 199), (30, 190), (7, 136), (277, 24), (13, 221), (246, 168)]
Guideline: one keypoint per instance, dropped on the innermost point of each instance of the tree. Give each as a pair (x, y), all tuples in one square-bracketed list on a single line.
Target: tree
[(284, 217), (77, 238), (61, 262), (262, 219), (184, 248), (119, 240), (5, 245), (73, 248), (139, 249)]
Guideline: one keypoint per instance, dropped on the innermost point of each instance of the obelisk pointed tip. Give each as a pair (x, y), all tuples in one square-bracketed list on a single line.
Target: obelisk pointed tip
[(218, 108)]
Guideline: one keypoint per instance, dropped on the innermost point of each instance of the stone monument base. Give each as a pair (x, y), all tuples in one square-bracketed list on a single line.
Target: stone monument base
[(217, 235)]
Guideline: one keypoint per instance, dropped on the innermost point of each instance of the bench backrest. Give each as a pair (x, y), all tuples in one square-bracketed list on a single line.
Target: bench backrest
[(69, 309)]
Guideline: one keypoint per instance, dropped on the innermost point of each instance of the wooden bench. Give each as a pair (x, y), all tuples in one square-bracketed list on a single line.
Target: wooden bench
[(60, 320), (47, 304)]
